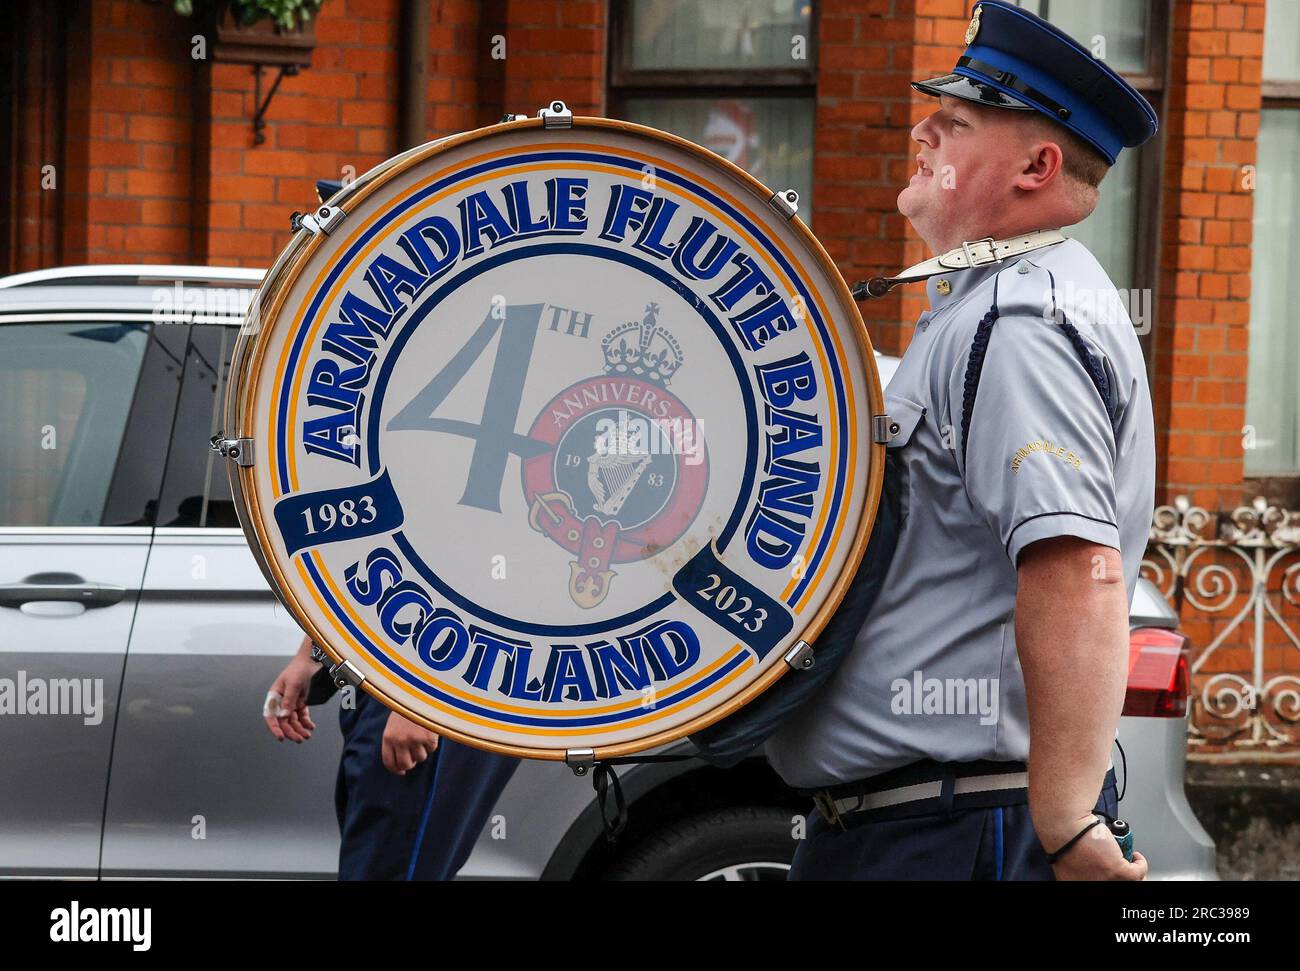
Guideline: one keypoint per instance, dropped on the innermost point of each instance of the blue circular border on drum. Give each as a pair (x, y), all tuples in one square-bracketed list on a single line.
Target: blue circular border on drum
[(465, 276), (618, 162), (541, 722)]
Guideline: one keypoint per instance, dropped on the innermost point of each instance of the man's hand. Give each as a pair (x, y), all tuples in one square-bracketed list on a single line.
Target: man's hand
[(285, 711), (406, 744), (1096, 857)]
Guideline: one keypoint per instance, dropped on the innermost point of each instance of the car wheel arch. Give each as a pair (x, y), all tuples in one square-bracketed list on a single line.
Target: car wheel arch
[(658, 793)]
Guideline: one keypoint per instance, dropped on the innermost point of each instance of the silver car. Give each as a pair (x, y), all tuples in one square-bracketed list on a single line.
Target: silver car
[(138, 639)]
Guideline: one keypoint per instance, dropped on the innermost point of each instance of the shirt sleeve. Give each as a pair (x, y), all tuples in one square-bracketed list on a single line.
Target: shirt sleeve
[(1040, 450)]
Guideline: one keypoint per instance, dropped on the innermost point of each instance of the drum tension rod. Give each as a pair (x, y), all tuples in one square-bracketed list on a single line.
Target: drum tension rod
[(345, 675), (556, 115), (800, 656), (318, 223), (580, 760), (884, 429), (785, 202), (238, 450)]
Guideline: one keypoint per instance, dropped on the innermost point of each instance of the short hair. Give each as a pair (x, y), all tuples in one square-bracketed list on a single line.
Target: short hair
[(1080, 161)]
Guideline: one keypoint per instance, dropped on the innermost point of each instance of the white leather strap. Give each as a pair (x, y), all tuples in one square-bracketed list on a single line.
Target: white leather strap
[(979, 252)]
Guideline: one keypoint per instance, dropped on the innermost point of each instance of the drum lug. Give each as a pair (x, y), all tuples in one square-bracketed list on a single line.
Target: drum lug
[(786, 202), (322, 221), (318, 655), (883, 429), (800, 657), (345, 674), (238, 450), (556, 115), (580, 760)]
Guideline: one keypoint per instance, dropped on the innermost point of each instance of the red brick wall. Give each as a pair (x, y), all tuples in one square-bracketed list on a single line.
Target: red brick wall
[(341, 111), (864, 63), (161, 159), (1201, 344), (869, 52), (128, 136), (554, 49)]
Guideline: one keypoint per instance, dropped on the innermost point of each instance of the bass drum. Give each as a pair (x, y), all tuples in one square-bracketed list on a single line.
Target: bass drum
[(556, 436)]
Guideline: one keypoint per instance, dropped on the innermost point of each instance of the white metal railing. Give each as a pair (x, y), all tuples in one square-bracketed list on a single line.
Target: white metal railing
[(1242, 566)]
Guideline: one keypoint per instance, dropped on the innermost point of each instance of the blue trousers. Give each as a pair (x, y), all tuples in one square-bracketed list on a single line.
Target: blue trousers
[(418, 826), (973, 844)]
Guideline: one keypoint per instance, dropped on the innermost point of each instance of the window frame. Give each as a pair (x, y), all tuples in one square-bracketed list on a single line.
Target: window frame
[(625, 82), (1281, 487), (1148, 239)]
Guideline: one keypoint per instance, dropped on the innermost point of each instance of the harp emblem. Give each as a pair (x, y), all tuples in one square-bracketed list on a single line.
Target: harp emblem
[(629, 470)]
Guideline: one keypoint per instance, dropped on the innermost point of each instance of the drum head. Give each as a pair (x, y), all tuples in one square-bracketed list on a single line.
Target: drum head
[(561, 439)]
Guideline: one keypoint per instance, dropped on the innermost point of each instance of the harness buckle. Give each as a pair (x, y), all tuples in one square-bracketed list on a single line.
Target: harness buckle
[(972, 259)]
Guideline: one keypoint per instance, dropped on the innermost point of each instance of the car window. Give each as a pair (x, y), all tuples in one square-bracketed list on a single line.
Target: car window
[(196, 491), (66, 395)]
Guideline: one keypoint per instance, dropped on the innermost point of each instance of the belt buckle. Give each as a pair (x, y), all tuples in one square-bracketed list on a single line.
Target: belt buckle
[(971, 260), (825, 804)]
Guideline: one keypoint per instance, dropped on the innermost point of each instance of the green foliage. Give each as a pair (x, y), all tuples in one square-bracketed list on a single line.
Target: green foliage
[(286, 14)]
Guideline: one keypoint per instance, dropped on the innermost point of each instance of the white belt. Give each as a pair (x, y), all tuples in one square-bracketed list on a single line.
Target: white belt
[(931, 790)]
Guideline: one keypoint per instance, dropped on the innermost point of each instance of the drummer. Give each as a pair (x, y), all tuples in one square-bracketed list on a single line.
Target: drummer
[(1024, 532)]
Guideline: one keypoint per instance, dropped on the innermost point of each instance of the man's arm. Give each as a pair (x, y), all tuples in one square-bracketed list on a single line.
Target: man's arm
[(1071, 621)]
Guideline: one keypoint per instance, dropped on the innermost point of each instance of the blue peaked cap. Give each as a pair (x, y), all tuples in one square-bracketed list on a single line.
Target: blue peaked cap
[(1016, 60)]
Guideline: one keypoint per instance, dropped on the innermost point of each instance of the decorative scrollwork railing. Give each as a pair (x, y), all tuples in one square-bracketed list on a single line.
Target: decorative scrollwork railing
[(1234, 569)]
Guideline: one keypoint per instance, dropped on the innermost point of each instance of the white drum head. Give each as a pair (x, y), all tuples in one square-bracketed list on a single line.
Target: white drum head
[(561, 438)]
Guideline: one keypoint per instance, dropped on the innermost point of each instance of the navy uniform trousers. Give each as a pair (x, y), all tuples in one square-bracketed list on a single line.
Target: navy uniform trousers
[(418, 826), (972, 844)]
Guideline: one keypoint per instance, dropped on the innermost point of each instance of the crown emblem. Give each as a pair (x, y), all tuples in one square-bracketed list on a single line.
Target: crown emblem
[(642, 350)]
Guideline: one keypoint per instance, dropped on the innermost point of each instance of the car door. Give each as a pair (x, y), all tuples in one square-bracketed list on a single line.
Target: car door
[(85, 407), (199, 786)]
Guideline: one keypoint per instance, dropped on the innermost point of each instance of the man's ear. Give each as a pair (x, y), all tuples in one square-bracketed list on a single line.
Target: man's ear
[(1043, 163)]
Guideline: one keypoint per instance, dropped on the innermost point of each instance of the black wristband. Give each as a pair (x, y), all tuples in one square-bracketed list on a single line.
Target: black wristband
[(1053, 857)]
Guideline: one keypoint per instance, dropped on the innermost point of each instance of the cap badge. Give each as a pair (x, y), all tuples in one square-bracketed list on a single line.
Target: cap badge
[(974, 28)]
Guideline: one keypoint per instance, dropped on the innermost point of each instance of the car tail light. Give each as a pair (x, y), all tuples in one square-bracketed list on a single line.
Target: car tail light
[(1158, 673)]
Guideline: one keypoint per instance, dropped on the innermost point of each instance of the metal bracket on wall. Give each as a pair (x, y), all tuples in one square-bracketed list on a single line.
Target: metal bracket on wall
[(259, 116)]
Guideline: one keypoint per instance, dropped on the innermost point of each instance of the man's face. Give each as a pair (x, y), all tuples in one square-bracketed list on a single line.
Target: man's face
[(968, 158)]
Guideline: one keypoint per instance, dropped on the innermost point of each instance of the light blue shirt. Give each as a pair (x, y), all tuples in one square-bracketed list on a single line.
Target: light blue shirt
[(934, 673)]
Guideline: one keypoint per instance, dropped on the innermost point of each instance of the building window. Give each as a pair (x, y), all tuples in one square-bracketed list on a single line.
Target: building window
[(736, 76), (1129, 35), (1272, 391)]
